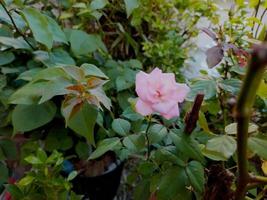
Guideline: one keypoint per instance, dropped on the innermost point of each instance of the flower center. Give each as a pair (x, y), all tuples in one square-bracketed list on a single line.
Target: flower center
[(158, 94)]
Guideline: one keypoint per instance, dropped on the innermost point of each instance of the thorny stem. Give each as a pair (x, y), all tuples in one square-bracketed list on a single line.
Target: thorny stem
[(14, 24), (243, 111), (192, 116), (147, 138)]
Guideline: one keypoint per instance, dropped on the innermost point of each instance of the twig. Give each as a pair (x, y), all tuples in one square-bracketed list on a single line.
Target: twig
[(192, 117), (258, 179), (15, 26), (147, 138), (256, 13), (243, 111), (263, 13)]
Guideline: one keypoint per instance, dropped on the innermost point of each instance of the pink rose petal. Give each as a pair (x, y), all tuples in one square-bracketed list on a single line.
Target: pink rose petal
[(174, 112), (143, 108)]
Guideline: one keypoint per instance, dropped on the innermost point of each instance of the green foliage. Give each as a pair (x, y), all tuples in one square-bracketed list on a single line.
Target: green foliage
[(207, 87), (21, 112), (257, 145), (8, 150), (3, 173), (83, 122), (121, 126), (82, 43), (44, 179), (223, 146), (105, 146)]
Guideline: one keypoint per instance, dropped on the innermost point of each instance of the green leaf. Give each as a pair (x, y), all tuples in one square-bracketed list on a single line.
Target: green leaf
[(213, 155), (238, 70), (125, 80), (156, 133), (39, 26), (130, 114), (49, 74), (82, 149), (121, 126), (163, 155), (28, 94), (203, 122), (3, 173), (142, 191), (57, 33), (187, 146), (54, 88), (231, 85), (92, 70), (134, 142), (231, 129), (173, 185), (262, 91), (55, 58), (28, 75), (16, 17), (29, 117), (83, 43), (131, 5), (26, 181), (75, 72), (8, 148), (207, 87), (6, 57), (98, 4), (226, 145), (33, 160), (123, 100), (239, 2), (104, 146), (253, 3), (16, 43), (258, 146), (2, 155), (83, 122), (72, 175), (3, 81), (195, 173), (41, 154)]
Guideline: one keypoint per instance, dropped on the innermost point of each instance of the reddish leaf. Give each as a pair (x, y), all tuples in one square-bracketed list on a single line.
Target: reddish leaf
[(95, 82), (70, 106), (214, 56), (79, 88)]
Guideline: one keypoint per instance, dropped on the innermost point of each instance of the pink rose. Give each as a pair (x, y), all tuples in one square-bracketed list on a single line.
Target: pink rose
[(158, 92)]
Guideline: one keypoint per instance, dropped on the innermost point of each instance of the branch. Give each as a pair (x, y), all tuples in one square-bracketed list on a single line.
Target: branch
[(14, 24), (243, 111), (258, 27), (258, 179), (192, 117)]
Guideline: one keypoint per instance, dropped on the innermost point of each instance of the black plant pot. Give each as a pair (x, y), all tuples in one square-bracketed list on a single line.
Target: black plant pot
[(102, 187)]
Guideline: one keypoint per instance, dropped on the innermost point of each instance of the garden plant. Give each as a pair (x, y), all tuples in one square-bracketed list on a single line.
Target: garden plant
[(95, 104)]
